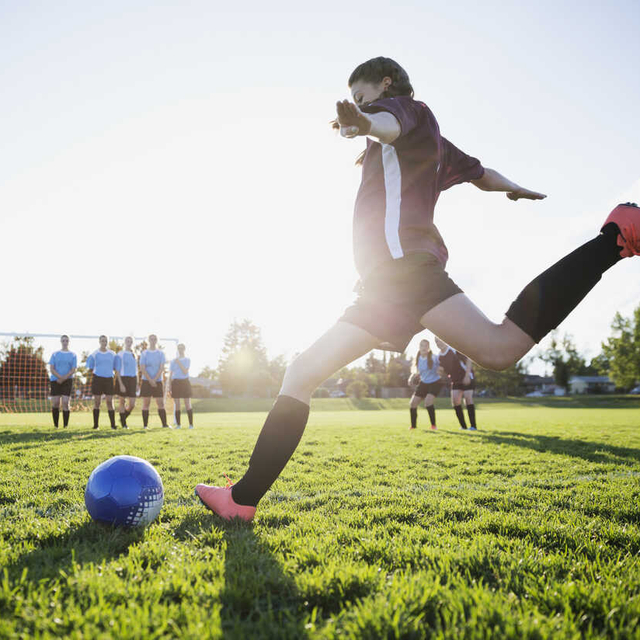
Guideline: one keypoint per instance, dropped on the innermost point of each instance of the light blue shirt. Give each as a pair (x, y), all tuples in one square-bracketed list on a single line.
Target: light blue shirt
[(176, 371), (153, 361), (62, 362), (428, 374), (126, 365), (102, 363)]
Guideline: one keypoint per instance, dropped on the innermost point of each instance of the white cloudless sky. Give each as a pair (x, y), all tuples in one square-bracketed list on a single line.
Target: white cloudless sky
[(168, 167)]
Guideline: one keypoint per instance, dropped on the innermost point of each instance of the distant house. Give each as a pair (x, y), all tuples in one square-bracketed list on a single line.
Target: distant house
[(542, 384), (209, 387), (591, 384)]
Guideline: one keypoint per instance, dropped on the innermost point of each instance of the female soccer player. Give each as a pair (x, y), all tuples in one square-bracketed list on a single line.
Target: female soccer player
[(126, 381), (429, 386), (180, 385), (152, 362), (401, 259), (102, 362), (62, 365), (459, 368)]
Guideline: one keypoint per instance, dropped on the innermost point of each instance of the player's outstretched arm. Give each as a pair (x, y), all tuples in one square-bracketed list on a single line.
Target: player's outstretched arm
[(381, 127), (494, 181)]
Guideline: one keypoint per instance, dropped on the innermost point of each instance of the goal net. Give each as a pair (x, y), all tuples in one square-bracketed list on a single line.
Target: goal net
[(24, 368)]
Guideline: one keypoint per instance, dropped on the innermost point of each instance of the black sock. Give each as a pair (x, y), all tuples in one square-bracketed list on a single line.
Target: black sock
[(276, 443), (432, 414), (190, 416), (112, 417), (55, 412), (65, 417), (414, 417), (163, 417), (460, 415), (123, 419), (548, 299), (177, 415), (127, 413), (96, 416), (471, 410), (145, 417)]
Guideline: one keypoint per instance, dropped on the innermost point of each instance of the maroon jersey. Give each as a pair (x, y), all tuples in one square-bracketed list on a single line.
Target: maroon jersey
[(400, 186), (453, 364)]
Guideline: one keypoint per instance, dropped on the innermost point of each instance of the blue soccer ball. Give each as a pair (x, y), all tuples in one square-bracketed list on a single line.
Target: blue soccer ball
[(125, 491)]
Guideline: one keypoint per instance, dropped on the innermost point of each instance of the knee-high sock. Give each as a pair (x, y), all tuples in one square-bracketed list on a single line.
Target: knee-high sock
[(548, 299), (127, 413), (163, 416), (55, 412), (413, 412), (112, 417), (177, 415), (123, 419), (145, 417), (276, 443), (471, 410), (432, 414), (96, 417), (460, 416), (190, 416), (65, 418)]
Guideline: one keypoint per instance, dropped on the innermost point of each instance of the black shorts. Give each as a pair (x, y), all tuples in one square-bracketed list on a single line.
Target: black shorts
[(181, 388), (426, 388), (147, 391), (61, 389), (393, 299), (460, 386), (130, 384), (101, 386)]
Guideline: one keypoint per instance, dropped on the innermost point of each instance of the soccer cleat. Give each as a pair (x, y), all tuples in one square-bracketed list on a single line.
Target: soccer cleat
[(190, 426), (221, 502), (166, 426), (412, 428), (433, 427), (627, 218), (177, 426), (473, 428), (95, 426)]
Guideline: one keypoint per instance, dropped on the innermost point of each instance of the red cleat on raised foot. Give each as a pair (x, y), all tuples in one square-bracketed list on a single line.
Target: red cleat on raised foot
[(221, 502), (627, 217)]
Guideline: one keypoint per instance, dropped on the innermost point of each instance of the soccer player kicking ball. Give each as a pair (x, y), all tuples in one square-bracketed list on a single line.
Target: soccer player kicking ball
[(181, 385), (102, 362), (401, 258), (152, 363), (460, 371), (429, 384), (126, 381), (62, 365)]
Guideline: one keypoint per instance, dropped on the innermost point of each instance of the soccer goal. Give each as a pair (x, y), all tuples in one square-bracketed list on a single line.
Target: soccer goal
[(24, 371)]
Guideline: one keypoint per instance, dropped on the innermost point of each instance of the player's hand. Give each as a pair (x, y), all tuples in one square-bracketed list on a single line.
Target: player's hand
[(153, 383), (351, 120), (525, 194), (466, 379)]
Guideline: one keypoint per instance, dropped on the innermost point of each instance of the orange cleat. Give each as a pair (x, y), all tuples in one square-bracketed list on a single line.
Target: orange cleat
[(627, 217), (433, 427), (221, 502)]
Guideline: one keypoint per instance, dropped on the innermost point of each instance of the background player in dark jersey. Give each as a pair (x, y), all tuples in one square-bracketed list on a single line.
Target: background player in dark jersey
[(126, 382), (102, 363), (459, 368), (152, 362), (428, 382), (180, 385), (401, 259), (62, 365)]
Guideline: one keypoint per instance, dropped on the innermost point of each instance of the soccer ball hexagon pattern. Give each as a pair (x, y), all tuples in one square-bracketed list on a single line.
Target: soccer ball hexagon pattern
[(124, 490)]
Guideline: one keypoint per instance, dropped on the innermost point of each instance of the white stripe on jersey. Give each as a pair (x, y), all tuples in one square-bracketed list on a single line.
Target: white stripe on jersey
[(393, 189)]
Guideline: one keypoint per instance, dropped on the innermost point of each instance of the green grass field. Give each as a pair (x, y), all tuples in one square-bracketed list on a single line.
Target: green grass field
[(529, 528)]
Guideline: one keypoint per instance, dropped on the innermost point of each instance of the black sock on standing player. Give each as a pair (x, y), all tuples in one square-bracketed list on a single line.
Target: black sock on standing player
[(65, 418), (145, 417), (548, 299), (127, 413), (471, 410), (414, 417), (432, 414), (460, 416), (96, 417), (276, 443), (190, 416), (163, 417), (177, 416), (112, 417), (55, 412), (123, 419)]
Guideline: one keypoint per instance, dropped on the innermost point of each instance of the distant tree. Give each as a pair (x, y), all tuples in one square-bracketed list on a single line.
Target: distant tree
[(398, 370), (357, 389), (562, 354), (622, 350), (601, 364), (509, 382), (374, 365), (208, 372), (23, 371), (115, 346), (277, 368)]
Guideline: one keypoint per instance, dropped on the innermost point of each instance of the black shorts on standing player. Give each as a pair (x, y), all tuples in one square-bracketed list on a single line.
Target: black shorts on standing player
[(61, 389), (101, 386), (181, 388), (461, 386), (424, 389), (148, 391), (130, 386)]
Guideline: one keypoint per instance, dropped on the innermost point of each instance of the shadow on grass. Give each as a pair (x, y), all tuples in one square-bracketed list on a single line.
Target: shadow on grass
[(591, 451), (59, 436)]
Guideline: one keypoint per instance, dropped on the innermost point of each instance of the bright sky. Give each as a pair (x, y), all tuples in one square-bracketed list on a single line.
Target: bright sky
[(168, 167)]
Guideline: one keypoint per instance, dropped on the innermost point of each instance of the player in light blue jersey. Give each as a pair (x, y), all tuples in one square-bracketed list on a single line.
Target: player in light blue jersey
[(427, 379), (62, 365), (102, 362), (180, 385), (152, 363), (126, 382)]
